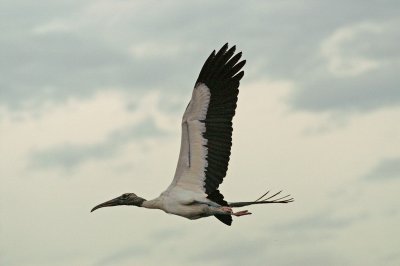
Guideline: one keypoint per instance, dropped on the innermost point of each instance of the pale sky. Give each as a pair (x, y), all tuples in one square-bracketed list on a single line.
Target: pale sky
[(91, 98)]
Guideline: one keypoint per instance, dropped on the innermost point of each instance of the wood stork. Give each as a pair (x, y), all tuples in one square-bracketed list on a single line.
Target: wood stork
[(205, 147)]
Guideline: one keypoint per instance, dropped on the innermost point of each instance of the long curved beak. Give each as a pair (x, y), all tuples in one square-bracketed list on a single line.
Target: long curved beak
[(110, 203)]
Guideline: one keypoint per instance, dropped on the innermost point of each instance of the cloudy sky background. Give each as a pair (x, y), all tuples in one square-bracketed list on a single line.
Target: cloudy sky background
[(91, 97)]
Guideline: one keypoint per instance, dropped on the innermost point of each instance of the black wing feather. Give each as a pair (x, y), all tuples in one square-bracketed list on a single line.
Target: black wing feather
[(220, 73)]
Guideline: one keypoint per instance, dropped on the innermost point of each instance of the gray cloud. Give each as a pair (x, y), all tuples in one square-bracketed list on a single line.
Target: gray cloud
[(323, 220), (370, 91), (250, 247), (169, 234), (57, 66), (386, 169), (262, 248), (86, 48), (392, 258), (366, 63), (69, 156), (123, 255)]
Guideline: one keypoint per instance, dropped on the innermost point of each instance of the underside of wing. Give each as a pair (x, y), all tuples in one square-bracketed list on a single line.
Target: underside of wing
[(207, 126)]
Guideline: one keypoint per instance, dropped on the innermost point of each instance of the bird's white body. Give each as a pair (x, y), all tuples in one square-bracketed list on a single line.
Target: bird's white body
[(182, 202)]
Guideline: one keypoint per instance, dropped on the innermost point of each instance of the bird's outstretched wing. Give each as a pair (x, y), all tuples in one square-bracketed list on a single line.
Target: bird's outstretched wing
[(207, 125)]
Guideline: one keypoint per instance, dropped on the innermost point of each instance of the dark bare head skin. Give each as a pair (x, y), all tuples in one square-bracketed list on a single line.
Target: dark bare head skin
[(124, 199)]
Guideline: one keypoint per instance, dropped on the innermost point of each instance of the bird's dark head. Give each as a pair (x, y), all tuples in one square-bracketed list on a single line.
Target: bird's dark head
[(124, 199)]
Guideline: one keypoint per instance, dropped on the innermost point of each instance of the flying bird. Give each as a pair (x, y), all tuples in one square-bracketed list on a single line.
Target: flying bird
[(205, 148)]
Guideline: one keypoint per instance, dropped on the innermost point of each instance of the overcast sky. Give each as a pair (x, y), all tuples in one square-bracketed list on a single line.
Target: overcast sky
[(91, 98)]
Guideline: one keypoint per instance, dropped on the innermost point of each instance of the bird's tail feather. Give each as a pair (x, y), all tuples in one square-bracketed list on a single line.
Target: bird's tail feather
[(263, 200)]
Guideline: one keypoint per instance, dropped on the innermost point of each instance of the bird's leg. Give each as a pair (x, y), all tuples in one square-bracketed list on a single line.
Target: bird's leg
[(226, 209), (223, 210), (229, 210)]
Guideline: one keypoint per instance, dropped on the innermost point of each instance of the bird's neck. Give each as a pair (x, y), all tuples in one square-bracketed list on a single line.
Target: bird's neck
[(152, 204)]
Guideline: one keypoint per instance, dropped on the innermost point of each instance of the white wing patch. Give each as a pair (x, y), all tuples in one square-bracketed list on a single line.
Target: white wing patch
[(190, 171)]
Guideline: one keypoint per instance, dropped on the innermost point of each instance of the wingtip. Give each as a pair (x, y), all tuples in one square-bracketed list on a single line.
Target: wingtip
[(231, 50), (223, 49)]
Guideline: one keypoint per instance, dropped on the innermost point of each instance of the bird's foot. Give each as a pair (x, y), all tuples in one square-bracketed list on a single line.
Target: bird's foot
[(241, 213)]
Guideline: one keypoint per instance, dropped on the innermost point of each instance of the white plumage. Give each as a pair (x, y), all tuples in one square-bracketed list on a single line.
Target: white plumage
[(205, 147), (190, 171)]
